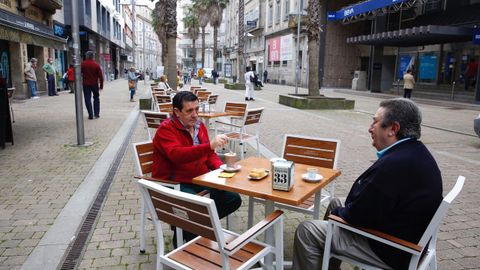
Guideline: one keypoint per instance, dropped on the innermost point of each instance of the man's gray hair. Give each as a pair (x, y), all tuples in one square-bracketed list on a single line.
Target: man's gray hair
[(33, 60), (89, 55), (406, 113)]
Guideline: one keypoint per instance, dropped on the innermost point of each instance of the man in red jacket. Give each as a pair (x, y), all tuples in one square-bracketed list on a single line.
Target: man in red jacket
[(92, 83), (182, 151)]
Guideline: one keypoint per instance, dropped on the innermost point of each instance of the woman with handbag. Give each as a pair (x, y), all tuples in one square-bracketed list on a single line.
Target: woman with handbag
[(132, 82)]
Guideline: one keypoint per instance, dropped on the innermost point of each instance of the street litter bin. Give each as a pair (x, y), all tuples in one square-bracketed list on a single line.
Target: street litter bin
[(359, 81)]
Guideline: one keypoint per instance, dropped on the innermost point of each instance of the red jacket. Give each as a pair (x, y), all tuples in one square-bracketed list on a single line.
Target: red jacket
[(71, 74), (176, 158), (92, 73)]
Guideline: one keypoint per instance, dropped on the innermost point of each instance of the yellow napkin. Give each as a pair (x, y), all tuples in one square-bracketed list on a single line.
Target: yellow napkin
[(226, 174)]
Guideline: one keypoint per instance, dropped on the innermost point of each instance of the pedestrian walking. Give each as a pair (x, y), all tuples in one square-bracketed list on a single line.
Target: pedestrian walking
[(185, 77), (249, 81), (132, 82), (200, 74), (192, 75), (71, 78), (214, 76), (50, 71), (92, 84), (265, 76), (31, 77), (471, 73), (408, 84)]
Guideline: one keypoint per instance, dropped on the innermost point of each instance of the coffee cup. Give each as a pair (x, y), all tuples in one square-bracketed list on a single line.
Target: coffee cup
[(230, 159), (312, 173)]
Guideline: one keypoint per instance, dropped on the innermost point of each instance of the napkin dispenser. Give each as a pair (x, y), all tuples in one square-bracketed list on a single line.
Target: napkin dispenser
[(283, 175)]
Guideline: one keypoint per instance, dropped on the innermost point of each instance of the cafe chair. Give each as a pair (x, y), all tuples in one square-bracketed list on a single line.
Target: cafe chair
[(158, 98), (10, 94), (143, 155), (238, 110), (215, 247), (424, 253), (165, 108), (203, 96), (319, 152), (152, 121), (238, 133)]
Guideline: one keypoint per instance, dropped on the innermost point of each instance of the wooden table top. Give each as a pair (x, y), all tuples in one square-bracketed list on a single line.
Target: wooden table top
[(263, 188)]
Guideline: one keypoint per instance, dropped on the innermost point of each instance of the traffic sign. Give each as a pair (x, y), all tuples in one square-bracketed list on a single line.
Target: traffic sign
[(251, 23)]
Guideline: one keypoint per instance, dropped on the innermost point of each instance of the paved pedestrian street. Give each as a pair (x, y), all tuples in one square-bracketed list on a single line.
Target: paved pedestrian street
[(41, 172)]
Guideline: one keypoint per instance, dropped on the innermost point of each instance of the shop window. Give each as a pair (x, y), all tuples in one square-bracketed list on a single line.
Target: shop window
[(428, 65), (276, 63)]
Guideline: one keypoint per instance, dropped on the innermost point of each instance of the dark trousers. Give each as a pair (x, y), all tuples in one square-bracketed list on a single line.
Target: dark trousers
[(407, 93), (51, 85), (87, 94), (225, 201)]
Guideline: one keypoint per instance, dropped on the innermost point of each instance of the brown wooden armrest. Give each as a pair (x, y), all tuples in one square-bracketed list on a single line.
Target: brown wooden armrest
[(227, 124), (203, 193), (241, 239), (156, 180), (380, 234)]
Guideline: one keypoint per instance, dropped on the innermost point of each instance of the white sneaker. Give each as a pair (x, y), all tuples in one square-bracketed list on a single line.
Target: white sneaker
[(35, 97)]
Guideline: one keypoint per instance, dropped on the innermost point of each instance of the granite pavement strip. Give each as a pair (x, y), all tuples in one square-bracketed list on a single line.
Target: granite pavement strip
[(115, 241), (40, 172)]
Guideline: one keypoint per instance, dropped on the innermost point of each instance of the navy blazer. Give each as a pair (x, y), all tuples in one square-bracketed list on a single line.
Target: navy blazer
[(397, 195)]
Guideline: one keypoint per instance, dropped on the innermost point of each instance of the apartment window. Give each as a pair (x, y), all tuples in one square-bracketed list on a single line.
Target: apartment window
[(278, 14), (99, 14), (284, 63), (270, 15), (286, 10), (88, 7)]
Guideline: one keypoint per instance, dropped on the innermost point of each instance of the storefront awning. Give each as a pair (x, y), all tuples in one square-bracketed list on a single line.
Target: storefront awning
[(24, 35), (416, 36)]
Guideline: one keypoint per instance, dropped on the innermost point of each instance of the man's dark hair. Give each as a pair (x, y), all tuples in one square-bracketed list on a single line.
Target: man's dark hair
[(89, 55), (181, 97), (248, 69), (406, 113)]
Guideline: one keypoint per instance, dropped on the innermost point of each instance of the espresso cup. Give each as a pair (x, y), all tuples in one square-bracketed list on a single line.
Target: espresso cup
[(230, 159), (312, 173)]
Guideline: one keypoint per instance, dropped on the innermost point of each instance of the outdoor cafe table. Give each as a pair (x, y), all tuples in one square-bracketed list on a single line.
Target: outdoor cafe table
[(209, 115), (240, 183)]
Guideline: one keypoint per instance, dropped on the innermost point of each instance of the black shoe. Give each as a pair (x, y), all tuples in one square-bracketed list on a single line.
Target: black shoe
[(90, 117), (246, 98), (71, 92), (252, 99), (97, 116)]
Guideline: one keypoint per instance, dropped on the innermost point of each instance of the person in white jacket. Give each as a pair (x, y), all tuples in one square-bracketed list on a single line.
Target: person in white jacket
[(249, 88), (408, 84)]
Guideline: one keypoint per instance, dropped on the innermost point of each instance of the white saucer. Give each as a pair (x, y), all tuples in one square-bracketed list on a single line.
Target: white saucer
[(317, 178), (228, 169)]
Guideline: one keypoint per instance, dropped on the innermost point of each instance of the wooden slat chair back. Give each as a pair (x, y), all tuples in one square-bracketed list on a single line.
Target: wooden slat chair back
[(192, 88), (158, 91), (162, 98), (236, 107), (165, 108), (153, 120), (312, 151), (212, 102), (198, 90), (203, 95), (238, 133), (424, 255), (214, 248), (143, 155)]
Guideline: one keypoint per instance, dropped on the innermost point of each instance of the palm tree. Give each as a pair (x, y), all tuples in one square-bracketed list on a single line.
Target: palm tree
[(190, 22), (313, 33), (201, 9), (165, 25), (214, 9)]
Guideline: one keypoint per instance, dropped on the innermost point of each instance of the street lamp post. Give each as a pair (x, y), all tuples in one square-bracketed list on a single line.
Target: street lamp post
[(143, 43), (297, 74), (78, 74)]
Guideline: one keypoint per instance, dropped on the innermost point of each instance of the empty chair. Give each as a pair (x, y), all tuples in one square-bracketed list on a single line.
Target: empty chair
[(203, 95), (212, 102), (214, 248), (424, 253), (319, 152), (238, 133), (153, 121), (143, 155), (165, 107)]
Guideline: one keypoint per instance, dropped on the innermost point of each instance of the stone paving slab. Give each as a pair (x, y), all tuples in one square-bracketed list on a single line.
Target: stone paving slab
[(41, 170), (115, 241)]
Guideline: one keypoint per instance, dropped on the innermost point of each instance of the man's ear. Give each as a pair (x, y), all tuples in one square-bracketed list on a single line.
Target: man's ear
[(395, 128), (176, 111)]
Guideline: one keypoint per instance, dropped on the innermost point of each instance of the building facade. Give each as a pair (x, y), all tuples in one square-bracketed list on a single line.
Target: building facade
[(26, 31), (147, 49)]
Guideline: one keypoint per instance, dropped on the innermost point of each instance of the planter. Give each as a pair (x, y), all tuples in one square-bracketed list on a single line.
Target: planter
[(476, 125), (306, 102), (234, 86)]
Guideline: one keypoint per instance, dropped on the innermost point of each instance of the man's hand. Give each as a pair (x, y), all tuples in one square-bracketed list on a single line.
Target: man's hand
[(218, 141)]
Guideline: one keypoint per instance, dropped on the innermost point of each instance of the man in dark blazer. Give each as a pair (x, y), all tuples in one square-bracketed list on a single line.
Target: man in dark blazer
[(397, 195)]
